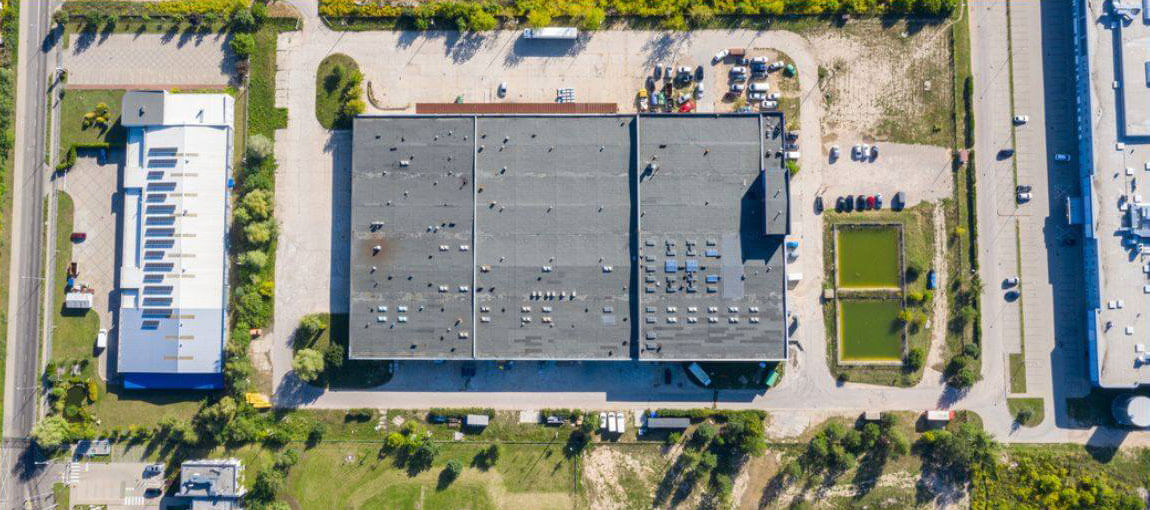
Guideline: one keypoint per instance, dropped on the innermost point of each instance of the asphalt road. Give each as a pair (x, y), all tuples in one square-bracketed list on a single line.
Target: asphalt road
[(17, 457)]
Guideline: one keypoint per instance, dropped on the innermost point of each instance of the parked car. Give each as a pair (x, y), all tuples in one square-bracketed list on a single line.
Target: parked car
[(774, 96), (1006, 153), (931, 280), (860, 203), (1062, 157), (756, 96), (1010, 282), (1012, 295), (759, 69), (738, 70), (685, 70), (1021, 119), (856, 151), (603, 421), (818, 204), (770, 105), (1022, 188), (834, 152), (658, 71), (873, 152), (759, 60), (738, 88), (502, 91), (102, 340), (839, 204), (878, 201), (79, 237), (778, 64), (849, 204), (1023, 197), (699, 91), (864, 151), (760, 87), (699, 73), (722, 54), (668, 72), (738, 77), (870, 202)]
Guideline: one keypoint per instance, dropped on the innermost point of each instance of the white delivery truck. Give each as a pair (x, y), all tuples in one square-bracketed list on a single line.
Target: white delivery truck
[(551, 33)]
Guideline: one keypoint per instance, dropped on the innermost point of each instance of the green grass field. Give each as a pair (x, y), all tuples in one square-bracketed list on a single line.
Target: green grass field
[(329, 86), (1031, 405), (73, 333), (526, 476), (1017, 373), (75, 105)]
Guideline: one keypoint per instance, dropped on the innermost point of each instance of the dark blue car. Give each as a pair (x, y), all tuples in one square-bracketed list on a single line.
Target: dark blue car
[(931, 280)]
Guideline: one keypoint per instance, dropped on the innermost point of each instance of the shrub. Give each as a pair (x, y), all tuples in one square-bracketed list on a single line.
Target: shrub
[(93, 391), (269, 482), (703, 435), (673, 438), (453, 469), (972, 350), (51, 432), (286, 459), (1024, 415), (538, 18), (253, 259), (315, 435), (915, 359), (68, 161), (592, 19), (308, 364), (260, 233), (243, 45), (394, 441), (243, 19), (361, 414), (259, 148)]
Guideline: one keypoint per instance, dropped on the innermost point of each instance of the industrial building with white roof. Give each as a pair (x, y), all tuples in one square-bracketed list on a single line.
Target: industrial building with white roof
[(173, 252), (568, 237)]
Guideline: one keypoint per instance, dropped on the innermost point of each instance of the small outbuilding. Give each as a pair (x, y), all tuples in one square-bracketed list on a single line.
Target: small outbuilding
[(78, 300), (668, 423), (477, 420)]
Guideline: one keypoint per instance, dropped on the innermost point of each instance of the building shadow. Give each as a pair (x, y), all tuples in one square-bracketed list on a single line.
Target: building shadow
[(338, 146)]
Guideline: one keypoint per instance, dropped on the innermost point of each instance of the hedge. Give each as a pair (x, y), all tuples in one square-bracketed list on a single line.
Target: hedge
[(702, 414), (540, 12), (171, 8), (460, 412)]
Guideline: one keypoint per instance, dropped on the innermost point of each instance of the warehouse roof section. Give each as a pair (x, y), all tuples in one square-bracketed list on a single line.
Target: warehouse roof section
[(411, 258), (552, 234), (712, 283), (173, 249)]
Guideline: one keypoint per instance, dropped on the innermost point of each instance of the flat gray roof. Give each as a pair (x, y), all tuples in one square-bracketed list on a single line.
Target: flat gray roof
[(512, 236), (712, 283)]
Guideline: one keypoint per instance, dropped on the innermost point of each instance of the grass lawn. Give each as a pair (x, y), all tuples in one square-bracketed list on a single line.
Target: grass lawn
[(918, 251), (61, 494), (1019, 480), (329, 87), (353, 373), (1018, 373), (1033, 405), (526, 476), (73, 333), (75, 105), (263, 116)]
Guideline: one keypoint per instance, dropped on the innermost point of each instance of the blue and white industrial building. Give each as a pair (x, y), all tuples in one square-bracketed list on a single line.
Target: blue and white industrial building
[(173, 253), (1112, 68)]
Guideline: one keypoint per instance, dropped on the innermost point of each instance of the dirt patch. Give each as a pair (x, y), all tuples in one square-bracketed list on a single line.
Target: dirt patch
[(887, 83), (610, 476), (751, 484)]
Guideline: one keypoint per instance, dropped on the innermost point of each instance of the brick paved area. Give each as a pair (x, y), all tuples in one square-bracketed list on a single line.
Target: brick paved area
[(149, 60)]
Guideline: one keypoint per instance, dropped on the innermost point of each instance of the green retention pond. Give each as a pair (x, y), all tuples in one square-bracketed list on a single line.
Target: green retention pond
[(869, 330), (868, 257)]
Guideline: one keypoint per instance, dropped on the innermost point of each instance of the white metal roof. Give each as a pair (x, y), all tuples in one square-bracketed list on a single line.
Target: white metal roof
[(173, 253)]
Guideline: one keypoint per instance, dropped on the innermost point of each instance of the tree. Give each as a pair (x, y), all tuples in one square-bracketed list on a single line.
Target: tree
[(352, 108), (673, 438), (260, 232), (259, 204), (701, 14), (259, 148), (915, 359), (703, 435), (315, 435), (744, 434), (308, 364), (972, 350), (243, 45), (51, 432), (538, 18), (479, 20), (243, 19), (452, 471), (60, 17), (286, 459), (311, 325), (592, 19), (253, 259), (963, 379), (269, 482)]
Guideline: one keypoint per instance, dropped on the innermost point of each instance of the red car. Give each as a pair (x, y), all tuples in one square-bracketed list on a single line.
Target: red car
[(870, 202), (79, 237)]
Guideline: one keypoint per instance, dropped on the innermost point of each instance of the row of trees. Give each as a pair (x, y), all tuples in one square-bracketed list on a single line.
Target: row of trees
[(208, 15), (483, 15), (837, 449)]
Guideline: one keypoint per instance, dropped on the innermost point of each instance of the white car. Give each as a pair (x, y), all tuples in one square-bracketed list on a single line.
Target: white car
[(720, 56), (756, 96), (1021, 119), (737, 88), (769, 105), (1010, 282), (102, 339), (776, 66), (774, 96), (1023, 197), (760, 60), (603, 421), (699, 91), (864, 151), (760, 86), (611, 422), (1062, 157), (738, 70), (502, 89), (686, 70)]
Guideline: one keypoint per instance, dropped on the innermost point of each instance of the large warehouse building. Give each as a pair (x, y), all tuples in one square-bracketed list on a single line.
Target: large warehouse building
[(1113, 121), (568, 237), (173, 252)]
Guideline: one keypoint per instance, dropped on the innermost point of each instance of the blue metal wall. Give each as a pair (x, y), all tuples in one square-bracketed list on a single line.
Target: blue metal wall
[(1085, 175)]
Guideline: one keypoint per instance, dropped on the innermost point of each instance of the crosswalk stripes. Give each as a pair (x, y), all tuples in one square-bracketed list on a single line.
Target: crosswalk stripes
[(133, 500)]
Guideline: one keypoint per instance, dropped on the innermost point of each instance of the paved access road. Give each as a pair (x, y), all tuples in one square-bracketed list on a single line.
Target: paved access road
[(17, 457)]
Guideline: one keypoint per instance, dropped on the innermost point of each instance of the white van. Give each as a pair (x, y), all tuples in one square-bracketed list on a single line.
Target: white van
[(102, 339), (611, 422), (621, 422), (791, 154)]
